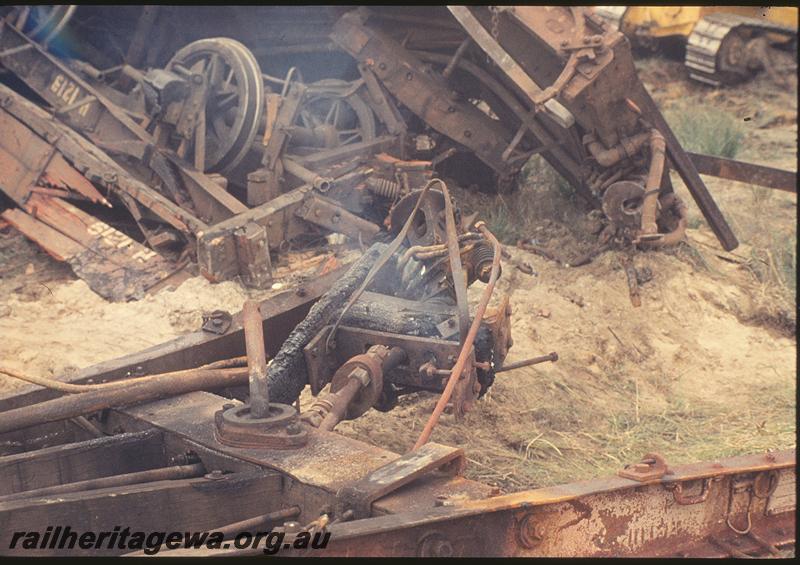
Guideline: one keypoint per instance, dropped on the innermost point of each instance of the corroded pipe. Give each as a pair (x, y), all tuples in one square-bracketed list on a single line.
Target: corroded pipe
[(252, 323), (626, 148), (339, 403), (323, 184), (148, 476), (653, 183), (675, 236), (80, 404)]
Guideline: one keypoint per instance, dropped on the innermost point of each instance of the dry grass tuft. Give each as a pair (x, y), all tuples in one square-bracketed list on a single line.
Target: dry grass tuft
[(542, 194), (707, 130)]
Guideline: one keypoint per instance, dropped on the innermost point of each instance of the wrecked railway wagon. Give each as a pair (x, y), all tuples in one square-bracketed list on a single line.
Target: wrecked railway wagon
[(227, 133), (230, 135)]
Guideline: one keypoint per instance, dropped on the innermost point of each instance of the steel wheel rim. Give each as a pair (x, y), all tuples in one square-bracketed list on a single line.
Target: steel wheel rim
[(235, 99), (325, 107)]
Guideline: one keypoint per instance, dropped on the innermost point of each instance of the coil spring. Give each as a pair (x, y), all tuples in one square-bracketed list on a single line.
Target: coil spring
[(384, 187), (481, 258)]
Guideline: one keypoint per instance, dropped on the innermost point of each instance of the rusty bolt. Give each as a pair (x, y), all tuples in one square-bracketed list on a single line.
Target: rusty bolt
[(382, 66), (301, 292), (451, 109), (587, 40), (565, 43), (467, 133), (227, 406), (409, 76), (529, 534), (291, 527), (214, 475), (294, 428)]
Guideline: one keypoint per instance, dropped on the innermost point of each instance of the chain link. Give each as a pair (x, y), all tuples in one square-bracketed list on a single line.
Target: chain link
[(495, 21)]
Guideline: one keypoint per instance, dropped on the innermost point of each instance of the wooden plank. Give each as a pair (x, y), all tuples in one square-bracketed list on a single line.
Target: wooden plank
[(163, 506), (112, 264), (62, 174), (216, 247), (54, 242), (101, 457), (94, 163), (23, 154)]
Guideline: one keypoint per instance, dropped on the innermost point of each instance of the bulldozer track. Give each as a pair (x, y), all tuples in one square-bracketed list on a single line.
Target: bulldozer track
[(706, 40)]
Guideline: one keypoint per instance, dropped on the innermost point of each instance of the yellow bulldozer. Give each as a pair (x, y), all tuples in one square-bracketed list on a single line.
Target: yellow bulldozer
[(723, 44)]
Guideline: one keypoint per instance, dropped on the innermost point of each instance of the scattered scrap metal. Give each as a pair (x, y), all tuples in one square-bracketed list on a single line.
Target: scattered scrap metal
[(218, 162), (209, 462), (221, 163)]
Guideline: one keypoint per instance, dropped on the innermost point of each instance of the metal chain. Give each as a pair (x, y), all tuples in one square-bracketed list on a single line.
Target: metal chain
[(495, 10)]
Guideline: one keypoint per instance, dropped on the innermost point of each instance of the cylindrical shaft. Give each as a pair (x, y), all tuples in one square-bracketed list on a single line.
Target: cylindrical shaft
[(294, 168), (528, 362), (151, 475), (451, 66), (257, 522), (340, 402), (653, 183), (256, 359), (84, 403)]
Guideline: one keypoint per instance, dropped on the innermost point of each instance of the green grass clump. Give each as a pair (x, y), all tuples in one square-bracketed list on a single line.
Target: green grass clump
[(512, 217), (707, 130)]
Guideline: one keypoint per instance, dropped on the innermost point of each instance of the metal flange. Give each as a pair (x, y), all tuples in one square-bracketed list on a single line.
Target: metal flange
[(280, 430)]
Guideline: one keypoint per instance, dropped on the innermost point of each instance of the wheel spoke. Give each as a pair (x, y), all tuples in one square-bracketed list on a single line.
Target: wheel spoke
[(219, 126), (228, 78), (336, 113), (351, 138), (330, 113), (212, 70), (224, 102)]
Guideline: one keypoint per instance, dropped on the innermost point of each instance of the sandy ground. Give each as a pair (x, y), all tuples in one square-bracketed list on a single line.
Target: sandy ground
[(703, 369)]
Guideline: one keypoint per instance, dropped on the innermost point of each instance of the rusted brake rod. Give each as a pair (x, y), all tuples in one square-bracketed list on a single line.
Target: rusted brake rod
[(150, 475), (553, 357), (168, 384), (749, 173)]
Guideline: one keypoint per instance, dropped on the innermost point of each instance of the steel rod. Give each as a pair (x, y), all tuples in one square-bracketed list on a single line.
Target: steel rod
[(528, 362), (148, 476), (84, 403), (258, 521), (256, 359)]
